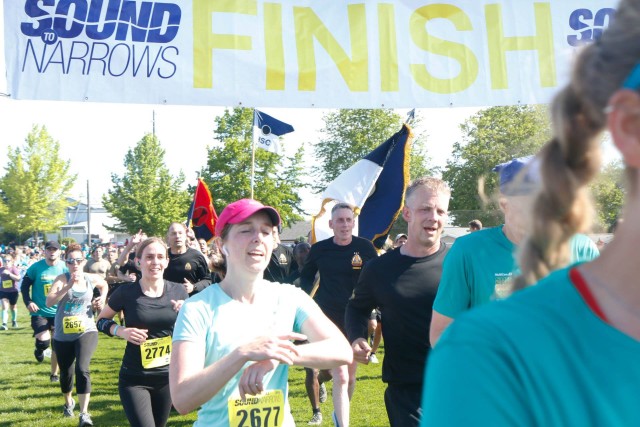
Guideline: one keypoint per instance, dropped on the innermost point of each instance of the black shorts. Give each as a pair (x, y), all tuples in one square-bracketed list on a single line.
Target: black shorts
[(11, 296), (40, 324)]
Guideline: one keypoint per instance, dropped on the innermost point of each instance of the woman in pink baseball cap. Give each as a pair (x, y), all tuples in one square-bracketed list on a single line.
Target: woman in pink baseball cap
[(233, 342)]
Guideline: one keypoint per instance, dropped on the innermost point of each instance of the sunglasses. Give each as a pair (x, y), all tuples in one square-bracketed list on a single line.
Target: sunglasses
[(72, 261)]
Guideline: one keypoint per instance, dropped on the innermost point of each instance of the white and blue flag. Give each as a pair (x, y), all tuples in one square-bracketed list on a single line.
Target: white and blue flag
[(374, 186), (268, 130)]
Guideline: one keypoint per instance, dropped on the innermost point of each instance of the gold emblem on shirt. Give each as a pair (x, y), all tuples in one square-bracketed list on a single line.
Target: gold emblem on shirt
[(187, 267), (282, 259), (356, 261)]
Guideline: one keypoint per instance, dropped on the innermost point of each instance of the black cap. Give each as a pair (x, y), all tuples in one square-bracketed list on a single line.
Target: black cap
[(52, 244)]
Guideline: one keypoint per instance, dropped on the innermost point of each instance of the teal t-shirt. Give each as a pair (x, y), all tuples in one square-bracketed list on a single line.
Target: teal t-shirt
[(43, 275), (221, 324), (479, 268), (538, 358)]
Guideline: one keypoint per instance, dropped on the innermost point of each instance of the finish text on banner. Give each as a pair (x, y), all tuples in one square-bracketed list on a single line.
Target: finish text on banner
[(298, 53)]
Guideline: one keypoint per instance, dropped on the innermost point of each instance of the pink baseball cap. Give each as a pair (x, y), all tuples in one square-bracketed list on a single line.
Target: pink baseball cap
[(237, 212)]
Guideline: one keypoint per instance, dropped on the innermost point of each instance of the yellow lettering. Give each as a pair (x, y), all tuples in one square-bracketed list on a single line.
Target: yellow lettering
[(205, 40), (461, 53), (309, 26), (388, 48), (542, 42), (273, 46)]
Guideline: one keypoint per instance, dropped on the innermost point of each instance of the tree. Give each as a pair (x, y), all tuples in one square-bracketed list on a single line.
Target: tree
[(228, 169), (608, 194), (146, 197), (492, 136), (36, 186), (352, 134)]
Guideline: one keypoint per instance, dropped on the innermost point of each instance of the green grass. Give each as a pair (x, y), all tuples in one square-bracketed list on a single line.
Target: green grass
[(28, 399)]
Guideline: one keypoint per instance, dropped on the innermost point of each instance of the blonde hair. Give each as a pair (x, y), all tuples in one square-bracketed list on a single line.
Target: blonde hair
[(436, 185), (572, 158)]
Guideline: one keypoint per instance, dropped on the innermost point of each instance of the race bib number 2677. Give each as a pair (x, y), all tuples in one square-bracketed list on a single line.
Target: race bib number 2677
[(264, 410)]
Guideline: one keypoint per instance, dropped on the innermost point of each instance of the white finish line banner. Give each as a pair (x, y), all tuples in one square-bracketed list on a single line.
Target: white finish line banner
[(328, 54)]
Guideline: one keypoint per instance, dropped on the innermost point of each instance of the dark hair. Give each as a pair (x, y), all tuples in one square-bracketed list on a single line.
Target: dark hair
[(300, 246), (73, 247), (143, 245), (177, 223), (475, 223)]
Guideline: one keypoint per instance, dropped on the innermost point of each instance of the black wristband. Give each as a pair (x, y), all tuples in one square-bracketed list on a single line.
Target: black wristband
[(104, 325)]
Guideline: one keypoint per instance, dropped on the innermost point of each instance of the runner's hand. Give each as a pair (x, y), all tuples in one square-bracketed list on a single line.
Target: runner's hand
[(177, 305), (361, 351), (280, 348), (188, 286), (137, 238), (33, 307), (135, 335), (251, 381), (97, 304)]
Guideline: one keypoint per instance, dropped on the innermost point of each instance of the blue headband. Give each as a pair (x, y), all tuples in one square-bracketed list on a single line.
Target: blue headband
[(510, 183), (633, 79)]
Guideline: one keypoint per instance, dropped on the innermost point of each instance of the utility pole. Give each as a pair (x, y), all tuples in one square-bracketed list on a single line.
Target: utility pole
[(88, 217)]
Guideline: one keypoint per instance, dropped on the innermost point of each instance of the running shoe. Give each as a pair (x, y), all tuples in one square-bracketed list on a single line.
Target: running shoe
[(39, 354), (14, 324), (54, 378), (373, 358), (316, 419), (323, 393), (85, 420), (68, 409), (4, 327)]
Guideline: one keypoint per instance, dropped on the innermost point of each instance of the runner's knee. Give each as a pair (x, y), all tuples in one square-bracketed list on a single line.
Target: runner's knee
[(42, 344)]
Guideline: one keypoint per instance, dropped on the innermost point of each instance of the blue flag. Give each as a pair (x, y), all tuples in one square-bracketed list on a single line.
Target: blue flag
[(268, 130)]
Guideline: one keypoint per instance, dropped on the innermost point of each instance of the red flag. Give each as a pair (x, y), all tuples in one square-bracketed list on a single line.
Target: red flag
[(202, 214)]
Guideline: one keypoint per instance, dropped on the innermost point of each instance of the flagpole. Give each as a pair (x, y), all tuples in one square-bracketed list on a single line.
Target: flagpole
[(253, 151), (193, 204)]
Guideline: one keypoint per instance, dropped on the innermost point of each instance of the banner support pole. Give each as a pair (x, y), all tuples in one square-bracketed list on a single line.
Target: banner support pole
[(253, 152)]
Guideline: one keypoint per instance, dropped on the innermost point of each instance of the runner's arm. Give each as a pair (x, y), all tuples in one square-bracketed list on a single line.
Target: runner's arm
[(24, 290), (308, 273), (439, 322), (59, 287), (192, 384)]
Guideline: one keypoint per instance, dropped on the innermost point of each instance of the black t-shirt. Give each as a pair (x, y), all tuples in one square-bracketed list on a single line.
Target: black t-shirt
[(339, 268), (404, 288), (143, 312), (130, 267), (281, 265), (192, 266)]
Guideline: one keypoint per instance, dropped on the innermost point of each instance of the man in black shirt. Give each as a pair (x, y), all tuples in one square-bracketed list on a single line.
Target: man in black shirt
[(186, 265), (339, 260), (403, 283), (282, 263)]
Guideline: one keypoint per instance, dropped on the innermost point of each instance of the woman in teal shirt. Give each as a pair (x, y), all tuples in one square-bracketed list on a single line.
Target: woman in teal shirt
[(564, 352), (233, 342)]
